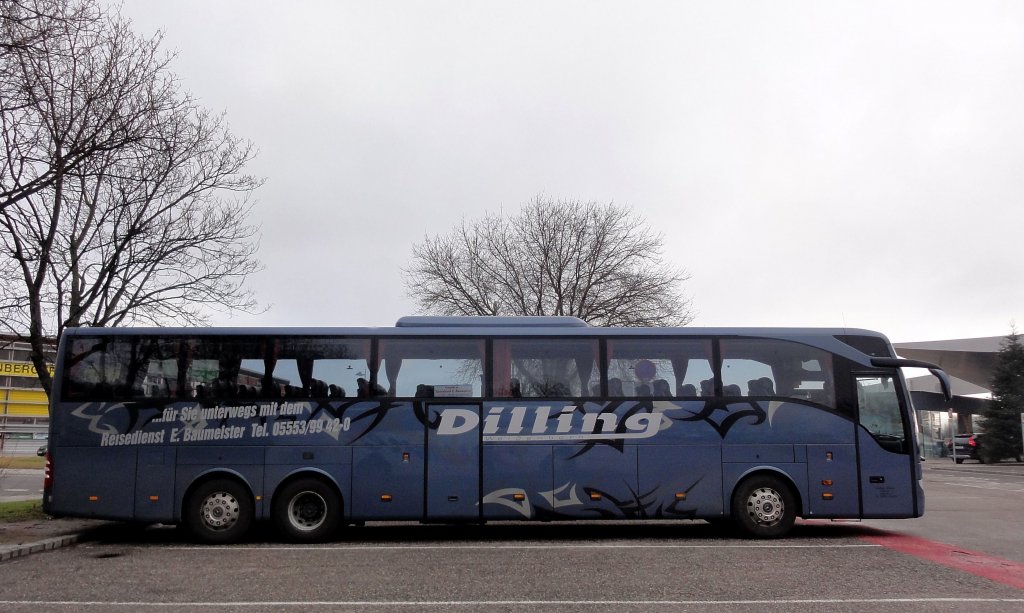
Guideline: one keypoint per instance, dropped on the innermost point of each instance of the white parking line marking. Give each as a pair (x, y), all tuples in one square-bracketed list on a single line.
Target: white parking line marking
[(988, 486), (982, 483), (496, 603), (344, 547)]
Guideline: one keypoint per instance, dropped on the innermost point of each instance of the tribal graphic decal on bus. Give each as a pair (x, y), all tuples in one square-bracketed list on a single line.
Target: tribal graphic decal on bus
[(573, 500), (612, 423)]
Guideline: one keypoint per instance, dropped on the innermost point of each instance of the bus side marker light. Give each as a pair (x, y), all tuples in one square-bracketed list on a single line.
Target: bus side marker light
[(595, 496), (154, 498), (405, 457), (259, 498), (93, 498), (519, 497), (385, 497), (826, 496), (826, 482), (828, 456), (680, 495)]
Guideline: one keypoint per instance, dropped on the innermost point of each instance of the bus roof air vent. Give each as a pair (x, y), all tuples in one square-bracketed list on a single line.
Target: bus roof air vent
[(484, 321)]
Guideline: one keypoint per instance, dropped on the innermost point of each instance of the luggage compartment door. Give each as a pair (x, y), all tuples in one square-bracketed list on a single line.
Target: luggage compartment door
[(453, 462)]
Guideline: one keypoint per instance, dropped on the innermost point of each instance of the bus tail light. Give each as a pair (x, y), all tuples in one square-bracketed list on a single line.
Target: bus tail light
[(48, 473)]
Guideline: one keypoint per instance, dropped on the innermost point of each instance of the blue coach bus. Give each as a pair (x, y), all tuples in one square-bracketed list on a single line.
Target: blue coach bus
[(475, 419)]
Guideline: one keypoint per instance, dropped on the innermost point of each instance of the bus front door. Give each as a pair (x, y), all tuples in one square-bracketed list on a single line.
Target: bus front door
[(884, 445), (453, 462)]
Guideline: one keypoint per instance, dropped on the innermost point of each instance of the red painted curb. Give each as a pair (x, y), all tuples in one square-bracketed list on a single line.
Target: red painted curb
[(995, 569)]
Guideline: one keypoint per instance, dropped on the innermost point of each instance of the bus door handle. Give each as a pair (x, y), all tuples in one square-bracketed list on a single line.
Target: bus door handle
[(876, 479)]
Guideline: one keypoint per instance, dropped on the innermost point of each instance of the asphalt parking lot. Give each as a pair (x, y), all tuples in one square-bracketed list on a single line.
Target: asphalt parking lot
[(616, 567), (607, 566)]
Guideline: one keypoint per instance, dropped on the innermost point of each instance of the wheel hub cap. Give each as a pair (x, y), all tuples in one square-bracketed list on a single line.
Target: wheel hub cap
[(765, 506), (220, 511)]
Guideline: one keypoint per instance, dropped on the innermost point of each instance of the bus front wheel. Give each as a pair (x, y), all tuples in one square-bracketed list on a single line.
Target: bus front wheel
[(764, 506), (219, 511), (307, 510)]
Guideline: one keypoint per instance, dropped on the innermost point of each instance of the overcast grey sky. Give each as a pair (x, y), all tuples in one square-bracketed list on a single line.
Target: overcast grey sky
[(851, 164)]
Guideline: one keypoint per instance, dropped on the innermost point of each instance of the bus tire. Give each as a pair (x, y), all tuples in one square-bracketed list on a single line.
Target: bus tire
[(307, 510), (219, 511), (763, 506)]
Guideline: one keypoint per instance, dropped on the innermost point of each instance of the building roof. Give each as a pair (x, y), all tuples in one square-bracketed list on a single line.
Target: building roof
[(970, 363), (970, 359)]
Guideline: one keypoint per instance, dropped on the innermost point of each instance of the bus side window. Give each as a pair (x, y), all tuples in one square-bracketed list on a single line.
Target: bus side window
[(164, 378), (85, 368), (770, 367), (121, 368), (213, 366), (545, 367), (338, 364), (432, 367), (645, 367), (305, 367)]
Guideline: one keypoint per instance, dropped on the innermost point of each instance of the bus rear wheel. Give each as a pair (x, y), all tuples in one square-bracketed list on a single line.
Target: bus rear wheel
[(219, 511), (764, 506), (307, 510)]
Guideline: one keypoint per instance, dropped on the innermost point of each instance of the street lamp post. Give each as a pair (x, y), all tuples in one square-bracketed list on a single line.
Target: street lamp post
[(952, 432)]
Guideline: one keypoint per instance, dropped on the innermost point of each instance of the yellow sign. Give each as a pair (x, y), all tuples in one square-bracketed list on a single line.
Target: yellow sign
[(19, 369), (25, 403)]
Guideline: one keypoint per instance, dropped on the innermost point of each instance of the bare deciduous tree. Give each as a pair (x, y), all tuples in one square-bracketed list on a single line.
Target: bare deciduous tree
[(598, 262), (27, 23), (122, 201), (75, 82)]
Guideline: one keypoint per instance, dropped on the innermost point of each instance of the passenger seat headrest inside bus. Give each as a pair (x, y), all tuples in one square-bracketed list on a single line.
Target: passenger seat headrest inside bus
[(615, 387), (661, 388), (707, 387)]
